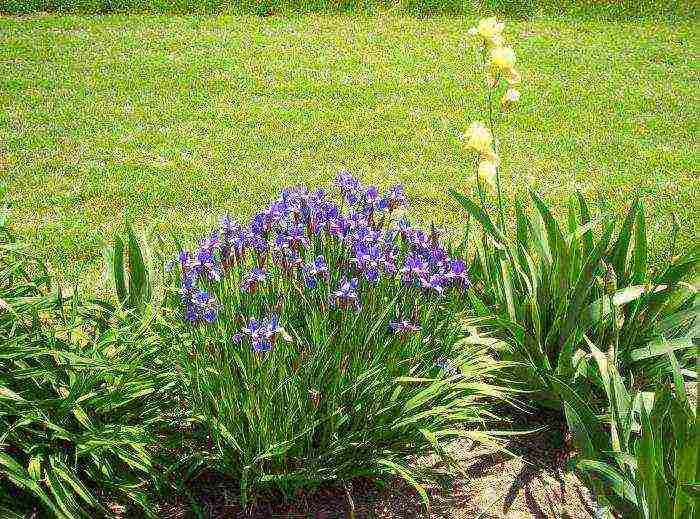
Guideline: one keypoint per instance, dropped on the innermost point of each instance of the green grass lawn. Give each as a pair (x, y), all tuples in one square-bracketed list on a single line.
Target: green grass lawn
[(171, 121)]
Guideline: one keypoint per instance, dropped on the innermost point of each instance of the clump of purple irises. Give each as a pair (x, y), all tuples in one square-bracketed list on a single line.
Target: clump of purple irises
[(345, 249)]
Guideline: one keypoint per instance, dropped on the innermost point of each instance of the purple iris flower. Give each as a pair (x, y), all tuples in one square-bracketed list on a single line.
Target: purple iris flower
[(191, 313), (350, 188), (296, 237), (391, 255), (229, 228), (211, 243), (275, 213), (229, 225), (188, 279), (253, 279), (372, 197), (346, 295), (263, 333), (347, 182), (367, 259), (404, 327), (200, 306), (365, 235), (434, 283), (281, 241), (209, 315), (295, 194), (338, 227), (415, 269), (331, 210), (315, 270), (458, 273), (321, 214), (319, 196), (352, 198), (295, 201), (438, 256), (258, 243), (207, 263), (184, 259), (419, 240), (201, 298), (239, 243), (317, 220), (258, 225), (356, 221), (234, 240)]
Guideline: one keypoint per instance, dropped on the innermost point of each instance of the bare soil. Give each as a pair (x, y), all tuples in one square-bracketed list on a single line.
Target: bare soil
[(533, 483)]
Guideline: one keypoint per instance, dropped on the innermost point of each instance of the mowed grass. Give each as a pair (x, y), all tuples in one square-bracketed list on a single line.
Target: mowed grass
[(168, 122)]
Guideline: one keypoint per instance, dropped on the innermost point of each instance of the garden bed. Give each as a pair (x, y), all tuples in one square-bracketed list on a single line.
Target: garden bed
[(334, 356), (534, 483)]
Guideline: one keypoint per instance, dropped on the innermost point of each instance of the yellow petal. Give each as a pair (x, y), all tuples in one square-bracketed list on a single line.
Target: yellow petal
[(502, 58), (487, 172), (478, 137), (491, 156), (489, 30), (495, 41), (489, 27)]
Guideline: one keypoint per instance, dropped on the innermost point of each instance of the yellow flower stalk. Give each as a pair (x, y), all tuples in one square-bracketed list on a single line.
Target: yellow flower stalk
[(487, 172), (479, 138), (499, 67)]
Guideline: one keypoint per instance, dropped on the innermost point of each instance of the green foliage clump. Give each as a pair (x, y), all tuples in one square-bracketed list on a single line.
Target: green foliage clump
[(83, 395), (547, 290), (641, 456)]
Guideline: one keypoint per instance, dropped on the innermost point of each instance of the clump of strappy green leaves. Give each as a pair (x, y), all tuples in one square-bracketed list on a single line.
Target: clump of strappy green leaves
[(548, 287), (82, 392), (548, 294), (640, 456)]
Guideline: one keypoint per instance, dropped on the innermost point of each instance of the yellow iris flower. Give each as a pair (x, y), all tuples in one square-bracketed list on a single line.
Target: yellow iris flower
[(479, 138), (502, 59), (489, 30), (487, 172)]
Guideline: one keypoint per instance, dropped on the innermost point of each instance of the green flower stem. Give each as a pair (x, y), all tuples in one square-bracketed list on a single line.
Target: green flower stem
[(492, 129)]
